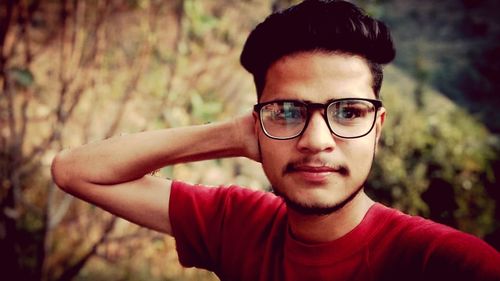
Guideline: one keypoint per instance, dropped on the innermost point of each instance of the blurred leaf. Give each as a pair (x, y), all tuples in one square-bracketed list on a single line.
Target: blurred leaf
[(200, 21), (434, 142), (22, 76), (204, 111)]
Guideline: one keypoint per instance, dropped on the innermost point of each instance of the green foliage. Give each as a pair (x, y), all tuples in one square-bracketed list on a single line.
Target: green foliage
[(435, 143), (175, 63), (204, 111), (460, 38), (200, 21), (23, 77)]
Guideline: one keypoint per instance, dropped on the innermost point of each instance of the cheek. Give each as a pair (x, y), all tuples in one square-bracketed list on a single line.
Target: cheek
[(359, 152), (275, 155)]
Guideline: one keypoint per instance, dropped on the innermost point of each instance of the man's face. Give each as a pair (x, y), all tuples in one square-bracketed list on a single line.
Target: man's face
[(318, 170)]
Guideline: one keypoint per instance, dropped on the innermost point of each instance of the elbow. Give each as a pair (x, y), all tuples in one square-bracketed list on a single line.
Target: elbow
[(60, 171)]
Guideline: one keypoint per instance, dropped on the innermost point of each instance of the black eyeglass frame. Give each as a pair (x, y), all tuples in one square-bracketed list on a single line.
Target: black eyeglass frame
[(310, 106)]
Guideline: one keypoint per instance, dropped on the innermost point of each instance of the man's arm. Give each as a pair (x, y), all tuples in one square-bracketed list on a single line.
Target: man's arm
[(113, 173)]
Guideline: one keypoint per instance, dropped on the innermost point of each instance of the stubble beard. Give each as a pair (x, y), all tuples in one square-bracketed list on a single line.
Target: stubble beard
[(317, 209), (311, 209)]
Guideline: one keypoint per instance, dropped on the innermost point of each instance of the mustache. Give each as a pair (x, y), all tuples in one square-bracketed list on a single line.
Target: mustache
[(308, 162)]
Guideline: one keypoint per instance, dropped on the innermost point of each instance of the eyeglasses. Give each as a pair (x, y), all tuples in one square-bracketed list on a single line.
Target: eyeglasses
[(346, 118)]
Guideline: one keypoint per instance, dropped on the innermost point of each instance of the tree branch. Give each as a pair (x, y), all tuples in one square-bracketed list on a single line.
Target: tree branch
[(72, 271), (5, 24), (140, 64), (173, 67), (63, 110)]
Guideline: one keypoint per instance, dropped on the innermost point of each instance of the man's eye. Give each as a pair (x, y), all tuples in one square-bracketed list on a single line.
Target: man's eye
[(350, 113), (286, 114), (279, 114)]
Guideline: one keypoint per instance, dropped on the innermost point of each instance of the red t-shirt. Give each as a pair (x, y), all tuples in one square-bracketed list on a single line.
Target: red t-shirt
[(241, 234)]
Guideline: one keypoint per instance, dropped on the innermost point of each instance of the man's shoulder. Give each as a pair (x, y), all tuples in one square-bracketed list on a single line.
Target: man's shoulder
[(429, 237), (229, 195), (231, 189), (415, 233), (411, 225), (431, 248)]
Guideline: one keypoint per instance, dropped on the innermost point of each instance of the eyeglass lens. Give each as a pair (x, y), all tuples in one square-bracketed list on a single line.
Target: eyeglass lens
[(346, 118)]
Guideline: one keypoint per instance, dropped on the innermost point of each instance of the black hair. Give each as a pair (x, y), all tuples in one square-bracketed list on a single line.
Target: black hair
[(318, 25)]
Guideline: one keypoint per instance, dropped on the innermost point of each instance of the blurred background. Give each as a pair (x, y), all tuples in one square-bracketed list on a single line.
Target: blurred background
[(74, 71)]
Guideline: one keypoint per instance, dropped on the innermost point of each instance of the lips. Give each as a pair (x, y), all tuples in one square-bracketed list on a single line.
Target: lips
[(314, 169), (314, 174)]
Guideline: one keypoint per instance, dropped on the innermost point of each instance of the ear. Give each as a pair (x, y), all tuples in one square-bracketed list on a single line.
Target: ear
[(256, 123), (381, 114), (257, 128)]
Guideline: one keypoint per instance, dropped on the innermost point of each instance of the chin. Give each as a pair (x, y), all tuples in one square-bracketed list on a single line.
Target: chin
[(316, 207)]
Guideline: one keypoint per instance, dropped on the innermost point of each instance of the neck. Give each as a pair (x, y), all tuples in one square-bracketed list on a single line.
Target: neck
[(319, 229)]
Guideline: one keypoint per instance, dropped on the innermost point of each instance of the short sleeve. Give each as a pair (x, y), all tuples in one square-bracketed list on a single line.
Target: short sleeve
[(212, 226), (196, 216)]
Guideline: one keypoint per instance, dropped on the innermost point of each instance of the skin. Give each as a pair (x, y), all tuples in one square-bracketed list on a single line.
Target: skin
[(114, 173), (327, 171)]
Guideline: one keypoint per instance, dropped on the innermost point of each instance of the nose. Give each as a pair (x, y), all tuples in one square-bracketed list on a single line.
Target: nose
[(317, 136)]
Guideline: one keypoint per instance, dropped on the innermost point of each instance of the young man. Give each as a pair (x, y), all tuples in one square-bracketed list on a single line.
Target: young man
[(317, 69)]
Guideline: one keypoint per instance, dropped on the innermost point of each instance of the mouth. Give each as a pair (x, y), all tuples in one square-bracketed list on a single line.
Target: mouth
[(316, 174)]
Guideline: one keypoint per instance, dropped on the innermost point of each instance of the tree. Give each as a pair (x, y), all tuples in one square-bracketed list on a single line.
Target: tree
[(76, 71)]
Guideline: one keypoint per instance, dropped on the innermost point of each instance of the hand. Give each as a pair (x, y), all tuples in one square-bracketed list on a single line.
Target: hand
[(245, 131)]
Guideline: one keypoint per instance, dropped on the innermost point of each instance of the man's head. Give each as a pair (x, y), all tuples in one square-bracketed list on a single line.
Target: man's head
[(318, 25), (324, 59)]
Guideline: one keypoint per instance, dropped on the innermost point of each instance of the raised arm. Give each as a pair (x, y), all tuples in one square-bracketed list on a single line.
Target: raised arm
[(113, 173)]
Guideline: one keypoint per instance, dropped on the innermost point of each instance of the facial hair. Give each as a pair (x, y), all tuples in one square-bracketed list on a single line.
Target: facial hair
[(320, 210), (311, 209)]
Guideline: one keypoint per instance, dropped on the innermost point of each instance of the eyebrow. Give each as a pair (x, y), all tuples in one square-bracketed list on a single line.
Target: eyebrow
[(305, 101)]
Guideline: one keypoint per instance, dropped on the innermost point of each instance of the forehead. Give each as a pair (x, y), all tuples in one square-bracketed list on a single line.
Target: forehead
[(318, 77)]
